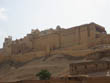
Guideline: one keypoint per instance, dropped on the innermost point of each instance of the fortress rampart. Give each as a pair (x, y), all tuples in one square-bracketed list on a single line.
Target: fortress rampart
[(51, 41)]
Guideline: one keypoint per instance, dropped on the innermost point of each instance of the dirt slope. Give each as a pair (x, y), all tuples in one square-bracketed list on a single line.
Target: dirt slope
[(56, 64)]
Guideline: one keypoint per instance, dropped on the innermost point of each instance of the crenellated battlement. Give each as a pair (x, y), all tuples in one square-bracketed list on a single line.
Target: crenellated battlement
[(79, 37), (8, 41)]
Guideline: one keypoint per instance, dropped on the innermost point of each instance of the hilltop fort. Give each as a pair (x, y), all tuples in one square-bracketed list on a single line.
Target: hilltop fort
[(79, 50), (47, 41)]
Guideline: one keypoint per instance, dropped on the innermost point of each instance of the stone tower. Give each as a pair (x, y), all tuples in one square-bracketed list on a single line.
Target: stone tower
[(7, 45), (7, 41)]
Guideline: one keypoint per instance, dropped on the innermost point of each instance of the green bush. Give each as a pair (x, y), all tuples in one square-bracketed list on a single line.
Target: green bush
[(44, 75)]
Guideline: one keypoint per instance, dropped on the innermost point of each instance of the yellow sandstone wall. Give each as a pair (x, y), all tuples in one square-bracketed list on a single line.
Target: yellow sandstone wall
[(74, 38)]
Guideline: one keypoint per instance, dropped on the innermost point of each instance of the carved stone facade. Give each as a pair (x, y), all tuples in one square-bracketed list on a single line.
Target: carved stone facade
[(79, 37)]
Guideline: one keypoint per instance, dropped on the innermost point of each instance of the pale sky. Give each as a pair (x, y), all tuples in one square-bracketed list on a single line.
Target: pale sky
[(18, 17)]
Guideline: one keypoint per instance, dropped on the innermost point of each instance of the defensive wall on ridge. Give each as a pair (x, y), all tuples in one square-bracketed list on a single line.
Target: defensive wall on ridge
[(74, 38)]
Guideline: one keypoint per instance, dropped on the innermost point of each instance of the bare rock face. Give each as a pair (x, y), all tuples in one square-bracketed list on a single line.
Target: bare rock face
[(56, 64), (99, 55)]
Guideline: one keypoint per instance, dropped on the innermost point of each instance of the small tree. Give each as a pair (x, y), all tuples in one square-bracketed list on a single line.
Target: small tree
[(44, 75)]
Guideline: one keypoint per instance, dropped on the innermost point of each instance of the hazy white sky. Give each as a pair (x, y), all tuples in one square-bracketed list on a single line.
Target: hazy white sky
[(18, 17)]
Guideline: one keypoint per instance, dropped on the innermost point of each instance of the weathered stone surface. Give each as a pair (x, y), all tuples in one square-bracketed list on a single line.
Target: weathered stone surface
[(79, 37)]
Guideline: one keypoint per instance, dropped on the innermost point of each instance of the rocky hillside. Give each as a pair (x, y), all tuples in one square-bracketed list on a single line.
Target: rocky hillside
[(58, 65), (102, 54)]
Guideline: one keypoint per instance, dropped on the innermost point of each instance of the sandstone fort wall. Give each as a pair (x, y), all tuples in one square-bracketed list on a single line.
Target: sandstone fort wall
[(58, 41)]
